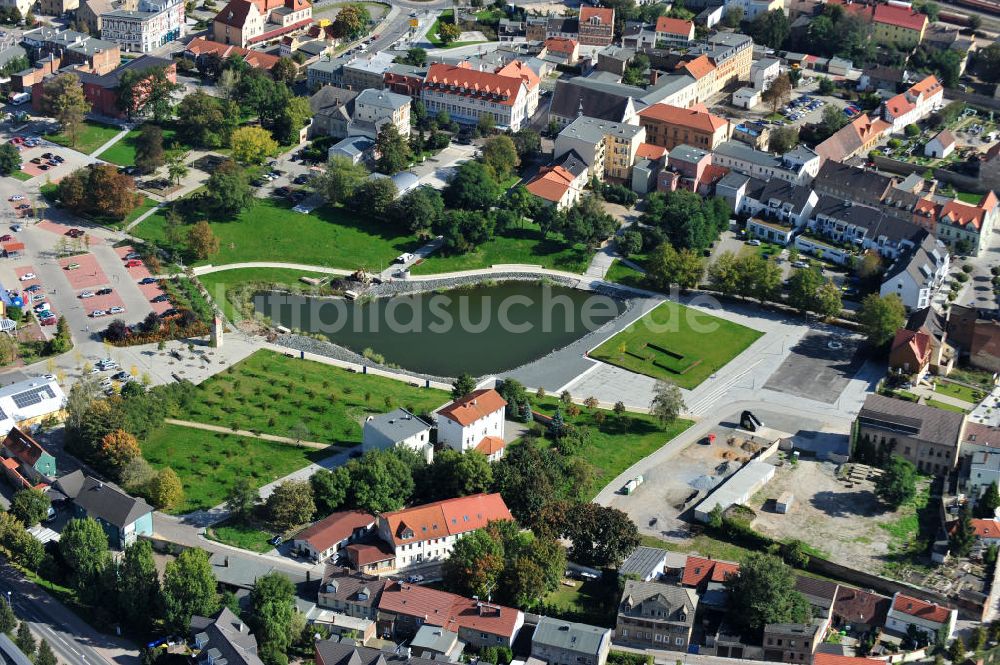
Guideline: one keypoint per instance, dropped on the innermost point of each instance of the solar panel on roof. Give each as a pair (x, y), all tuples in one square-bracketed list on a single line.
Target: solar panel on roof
[(32, 397)]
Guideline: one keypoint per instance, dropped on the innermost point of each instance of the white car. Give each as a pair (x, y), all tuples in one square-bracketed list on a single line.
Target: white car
[(16, 197), (754, 242), (86, 294), (116, 310), (405, 257), (97, 313), (28, 275), (800, 264)]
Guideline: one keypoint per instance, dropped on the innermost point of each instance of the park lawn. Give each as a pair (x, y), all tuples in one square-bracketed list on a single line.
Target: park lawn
[(523, 246), (619, 273), (271, 231), (208, 463), (272, 393), (91, 137), (122, 153), (245, 537), (946, 407), (21, 175), (701, 353), (220, 284), (959, 391), (613, 446)]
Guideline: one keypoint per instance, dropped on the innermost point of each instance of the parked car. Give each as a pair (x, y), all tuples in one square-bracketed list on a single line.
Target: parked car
[(122, 376), (116, 310), (6, 237), (33, 288), (148, 280), (753, 242), (73, 266), (133, 255), (405, 257), (42, 307), (98, 313), (133, 263), (800, 264), (86, 294), (104, 292), (49, 320), (16, 197), (160, 298), (16, 228), (26, 276)]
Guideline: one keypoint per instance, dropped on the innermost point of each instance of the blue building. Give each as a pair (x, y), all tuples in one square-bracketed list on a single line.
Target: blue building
[(123, 517)]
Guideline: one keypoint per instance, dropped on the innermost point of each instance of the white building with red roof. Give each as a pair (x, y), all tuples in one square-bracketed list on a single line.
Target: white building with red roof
[(246, 22), (674, 31), (326, 537), (987, 530), (912, 106), (968, 224), (508, 94), (928, 618), (474, 422), (427, 533)]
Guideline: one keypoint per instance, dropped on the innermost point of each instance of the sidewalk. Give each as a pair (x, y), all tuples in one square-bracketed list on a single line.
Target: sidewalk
[(117, 137), (253, 435)]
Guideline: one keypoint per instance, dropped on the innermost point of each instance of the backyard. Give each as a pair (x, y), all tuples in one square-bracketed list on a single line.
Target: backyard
[(208, 463), (272, 231), (272, 393), (91, 137), (958, 391), (677, 344), (221, 284), (521, 246)]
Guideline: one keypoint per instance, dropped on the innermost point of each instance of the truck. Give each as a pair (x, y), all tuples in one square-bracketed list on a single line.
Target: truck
[(19, 98), (632, 485)]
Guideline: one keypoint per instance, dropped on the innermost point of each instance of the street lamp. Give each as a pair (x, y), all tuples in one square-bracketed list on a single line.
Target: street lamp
[(8, 598)]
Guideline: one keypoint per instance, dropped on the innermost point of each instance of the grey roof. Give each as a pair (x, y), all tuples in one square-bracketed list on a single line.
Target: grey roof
[(673, 598), (764, 63), (228, 635), (616, 52), (743, 152), (594, 129), (314, 47), (330, 98), (71, 40), (109, 503), (930, 319), (110, 80), (804, 629), (568, 24), (70, 484), (397, 425), (735, 180), (566, 635), (353, 146), (784, 192), (126, 13), (813, 587), (877, 223), (667, 86), (686, 153), (382, 99), (592, 98), (407, 70), (843, 177), (10, 53), (12, 653), (729, 39), (573, 163), (434, 638), (922, 262), (328, 65), (643, 561), (924, 423), (333, 652), (344, 585)]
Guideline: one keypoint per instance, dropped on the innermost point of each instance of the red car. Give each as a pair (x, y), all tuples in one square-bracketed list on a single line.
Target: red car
[(74, 233), (48, 321), (6, 238), (134, 263)]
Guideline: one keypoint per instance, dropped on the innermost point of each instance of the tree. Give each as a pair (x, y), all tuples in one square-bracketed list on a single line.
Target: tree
[(601, 536), (988, 62), (667, 404), (898, 482), (783, 139), (500, 154), (979, 638), (455, 474), (463, 385), (963, 533), (63, 99), (381, 481), (957, 651), (527, 142), (228, 190), (8, 622), (351, 21), (30, 506), (415, 56), (189, 588), (588, 223), (285, 70), (241, 500), (771, 28), (826, 86), (802, 288), (291, 503), (829, 301), (475, 564), (420, 209), (165, 489), (205, 121), (473, 187), (146, 92), (176, 169), (374, 197), (733, 17), (931, 9), (988, 503), (393, 149), (252, 145), (292, 118), (341, 179), (84, 547), (99, 190), (779, 92), (45, 655), (448, 32), (330, 489), (685, 219), (272, 607), (667, 266), (149, 154), (10, 159), (202, 241), (139, 600), (763, 592), (832, 120), (880, 317), (117, 449), (24, 640)]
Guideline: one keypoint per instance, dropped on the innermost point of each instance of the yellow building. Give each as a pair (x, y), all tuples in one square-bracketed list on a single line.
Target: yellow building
[(899, 26)]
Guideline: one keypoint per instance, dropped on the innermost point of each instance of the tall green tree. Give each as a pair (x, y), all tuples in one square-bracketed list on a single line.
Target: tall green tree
[(45, 654), (147, 92), (771, 28), (63, 99), (667, 266), (880, 317), (290, 503), (456, 474), (149, 154), (420, 209), (340, 180), (242, 499), (189, 588), (272, 606), (10, 159), (381, 481), (8, 622), (84, 547), (963, 534), (463, 385), (763, 592), (500, 154), (601, 536), (228, 190), (475, 564), (988, 503), (30, 506), (139, 598), (667, 404), (898, 482), (394, 150), (473, 187), (24, 640)]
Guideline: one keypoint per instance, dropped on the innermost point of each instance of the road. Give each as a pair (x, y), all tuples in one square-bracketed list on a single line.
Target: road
[(73, 641)]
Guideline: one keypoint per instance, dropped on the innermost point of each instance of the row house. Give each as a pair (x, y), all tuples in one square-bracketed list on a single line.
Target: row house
[(792, 642), (912, 106), (798, 166), (778, 201), (918, 275), (597, 26), (864, 228), (607, 148), (858, 137), (652, 615), (540, 28), (669, 126), (509, 94), (153, 24), (933, 620)]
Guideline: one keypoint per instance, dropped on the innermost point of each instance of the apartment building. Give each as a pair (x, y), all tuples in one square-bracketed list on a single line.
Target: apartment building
[(668, 126), (656, 616), (927, 437), (917, 275), (607, 148), (70, 47), (857, 137), (509, 94), (374, 109), (897, 25), (912, 106), (798, 166), (597, 26), (558, 642), (674, 31), (154, 24), (245, 22)]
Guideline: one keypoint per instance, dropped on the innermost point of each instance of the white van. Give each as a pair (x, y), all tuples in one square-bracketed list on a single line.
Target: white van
[(20, 98)]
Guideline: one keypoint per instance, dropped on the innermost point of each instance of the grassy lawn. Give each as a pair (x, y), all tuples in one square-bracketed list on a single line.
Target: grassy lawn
[(959, 391), (122, 153), (620, 273), (976, 377), (272, 231), (242, 536), (969, 197), (582, 600), (910, 531), (695, 345), (946, 407), (91, 137), (613, 447), (21, 175), (272, 393), (208, 462), (518, 246), (220, 284)]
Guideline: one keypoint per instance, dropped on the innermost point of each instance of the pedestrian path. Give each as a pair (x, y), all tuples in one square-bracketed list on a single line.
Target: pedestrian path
[(115, 139), (205, 270), (254, 435), (601, 263), (138, 220)]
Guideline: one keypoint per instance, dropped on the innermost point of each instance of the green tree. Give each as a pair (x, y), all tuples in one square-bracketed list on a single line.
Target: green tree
[(176, 169), (375, 197), (189, 588), (285, 70), (204, 121), (330, 489), (381, 481), (228, 190), (963, 535), (45, 655), (63, 99), (802, 288), (473, 187), (8, 622), (667, 404), (500, 154), (149, 154), (394, 151), (291, 503), (601, 536), (733, 17), (30, 506), (978, 641), (463, 385), (455, 474), (165, 490), (832, 120), (84, 547), (352, 21), (10, 159), (139, 598), (272, 607), (448, 32), (415, 56), (242, 499), (988, 503), (826, 86), (289, 122), (763, 592), (880, 317), (475, 564), (667, 266), (420, 209), (898, 483), (341, 179), (146, 92), (24, 640), (771, 28), (957, 651), (783, 139)]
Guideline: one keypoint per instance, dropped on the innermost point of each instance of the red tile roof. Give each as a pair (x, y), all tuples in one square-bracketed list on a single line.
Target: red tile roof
[(698, 570), (674, 26), (516, 68), (899, 105), (445, 518), (551, 183), (450, 611), (335, 528), (463, 80), (986, 528), (603, 14), (561, 44), (963, 214), (903, 17), (834, 659), (491, 445), (698, 68), (201, 46), (919, 343), (23, 447), (235, 13), (857, 606), (989, 201), (365, 554), (477, 404), (692, 118), (650, 151), (922, 610)]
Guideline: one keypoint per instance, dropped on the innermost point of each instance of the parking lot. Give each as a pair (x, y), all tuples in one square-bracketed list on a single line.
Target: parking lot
[(819, 367)]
